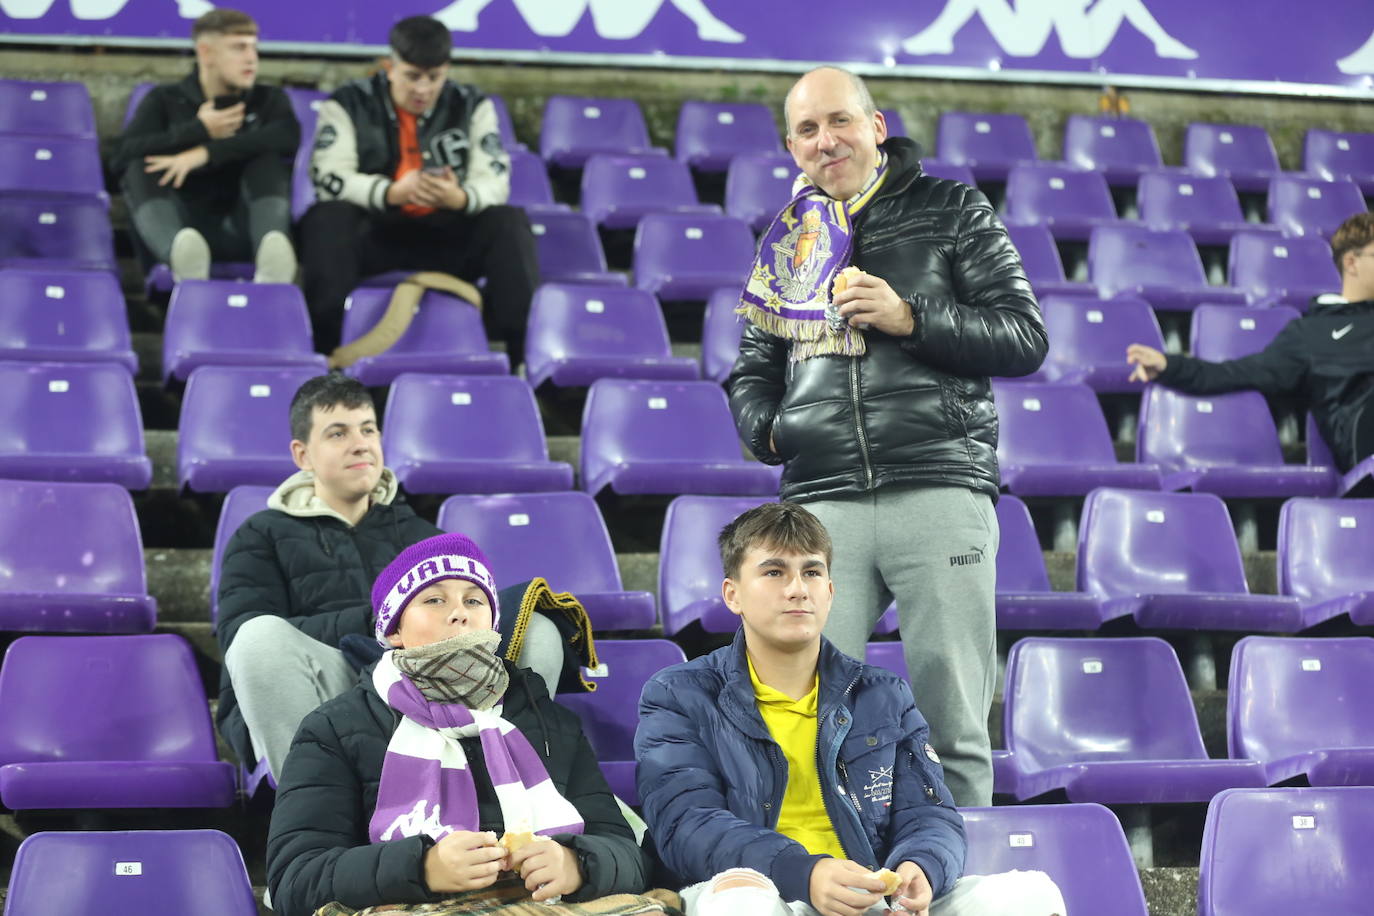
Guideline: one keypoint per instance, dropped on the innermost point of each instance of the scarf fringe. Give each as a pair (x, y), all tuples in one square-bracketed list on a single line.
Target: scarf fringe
[(809, 337)]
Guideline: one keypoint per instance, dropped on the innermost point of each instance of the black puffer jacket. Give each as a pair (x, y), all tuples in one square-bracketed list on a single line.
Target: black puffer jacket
[(318, 848), (915, 410)]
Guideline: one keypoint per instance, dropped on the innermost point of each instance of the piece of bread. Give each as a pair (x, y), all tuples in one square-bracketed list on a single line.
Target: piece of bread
[(514, 841), (891, 880), (844, 278)]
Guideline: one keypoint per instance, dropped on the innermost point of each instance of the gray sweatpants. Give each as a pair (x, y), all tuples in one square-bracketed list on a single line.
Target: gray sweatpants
[(934, 549)]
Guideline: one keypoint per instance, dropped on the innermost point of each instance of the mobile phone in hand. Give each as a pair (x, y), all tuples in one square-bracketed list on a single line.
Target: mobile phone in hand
[(436, 170), (228, 100)]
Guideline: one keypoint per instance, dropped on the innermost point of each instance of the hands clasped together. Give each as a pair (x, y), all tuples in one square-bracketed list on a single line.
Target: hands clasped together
[(466, 861)]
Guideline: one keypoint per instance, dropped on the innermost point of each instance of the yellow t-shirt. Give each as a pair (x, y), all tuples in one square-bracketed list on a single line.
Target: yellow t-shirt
[(792, 723)]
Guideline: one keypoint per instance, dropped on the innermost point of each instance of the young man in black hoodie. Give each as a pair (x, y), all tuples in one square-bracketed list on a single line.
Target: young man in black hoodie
[(206, 162)]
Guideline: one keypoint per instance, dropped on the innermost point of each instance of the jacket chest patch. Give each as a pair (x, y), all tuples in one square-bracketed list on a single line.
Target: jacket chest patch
[(878, 790), (451, 148)]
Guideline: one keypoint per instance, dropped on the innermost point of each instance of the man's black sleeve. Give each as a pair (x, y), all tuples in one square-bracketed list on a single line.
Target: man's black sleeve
[(278, 133), (152, 132), (1277, 369)]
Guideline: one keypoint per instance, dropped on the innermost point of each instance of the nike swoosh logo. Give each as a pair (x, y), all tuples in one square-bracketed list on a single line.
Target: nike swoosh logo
[(1337, 335)]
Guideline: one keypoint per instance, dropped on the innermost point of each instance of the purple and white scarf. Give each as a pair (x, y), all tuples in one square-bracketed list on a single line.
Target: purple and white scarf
[(427, 787)]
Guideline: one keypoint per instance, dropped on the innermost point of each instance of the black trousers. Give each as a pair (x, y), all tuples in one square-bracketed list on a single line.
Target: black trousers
[(341, 243)]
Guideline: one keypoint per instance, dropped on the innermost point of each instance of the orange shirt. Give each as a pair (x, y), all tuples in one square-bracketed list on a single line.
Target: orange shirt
[(411, 160)]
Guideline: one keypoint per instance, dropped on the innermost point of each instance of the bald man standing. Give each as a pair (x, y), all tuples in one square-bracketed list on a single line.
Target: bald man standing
[(864, 371)]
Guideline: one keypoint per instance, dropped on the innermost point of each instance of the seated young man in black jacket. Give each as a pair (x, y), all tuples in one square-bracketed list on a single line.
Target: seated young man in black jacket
[(205, 164), (444, 766)]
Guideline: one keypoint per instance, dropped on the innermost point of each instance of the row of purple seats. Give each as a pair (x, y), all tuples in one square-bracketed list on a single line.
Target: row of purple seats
[(51, 108), (54, 315), (51, 166), (56, 232)]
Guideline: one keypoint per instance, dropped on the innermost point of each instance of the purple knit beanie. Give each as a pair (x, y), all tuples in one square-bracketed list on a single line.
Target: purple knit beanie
[(444, 556)]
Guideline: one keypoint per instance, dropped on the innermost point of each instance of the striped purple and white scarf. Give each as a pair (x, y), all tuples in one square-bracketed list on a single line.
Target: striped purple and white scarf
[(427, 787)]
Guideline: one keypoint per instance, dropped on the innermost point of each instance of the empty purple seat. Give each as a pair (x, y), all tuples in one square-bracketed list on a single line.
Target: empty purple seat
[(468, 434), (305, 104), (720, 334), (51, 166), (1338, 154), (1025, 600), (618, 190), (610, 713), (64, 316), (1207, 208), (896, 127), (1171, 560), (666, 438), (234, 427), (56, 108), (559, 537), (529, 180), (56, 232), (446, 336), (569, 248), (1225, 444), (1069, 201), (1088, 340), (1324, 551), (1260, 844), (130, 871), (136, 97), (239, 503), (71, 421), (1053, 441), (710, 134), (1301, 707), (575, 127), (1290, 271), (218, 323), (1058, 840), (940, 168), (1161, 266), (579, 333), (758, 186), (107, 722), (1109, 721), (1305, 205), (887, 655), (1119, 148), (73, 557), (989, 144), (1041, 261), (1220, 332), (689, 570), (688, 256), (1319, 456), (1241, 152)]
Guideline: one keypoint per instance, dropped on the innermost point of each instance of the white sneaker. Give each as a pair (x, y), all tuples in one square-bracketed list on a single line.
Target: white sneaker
[(190, 258), (276, 260)]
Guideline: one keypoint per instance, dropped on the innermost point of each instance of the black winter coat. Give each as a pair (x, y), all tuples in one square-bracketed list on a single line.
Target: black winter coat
[(318, 848), (916, 410)]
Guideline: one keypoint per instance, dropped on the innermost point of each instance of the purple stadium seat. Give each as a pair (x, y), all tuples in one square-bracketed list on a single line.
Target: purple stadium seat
[(689, 570), (1161, 266), (687, 256), (1259, 845), (1319, 455), (1241, 152), (887, 655), (1119, 148), (445, 337), (239, 503), (1225, 444), (940, 168), (989, 144), (51, 166), (64, 316), (74, 560), (305, 104), (504, 126), (575, 127), (1220, 332), (107, 722), (758, 186), (610, 713), (62, 109), (579, 333), (1088, 340), (559, 537), (896, 127), (618, 190), (1053, 441), (71, 421), (666, 438), (1334, 154), (710, 134), (1069, 201), (1078, 717), (568, 246), (1058, 840), (159, 280), (1040, 259), (1171, 560), (55, 232), (720, 334), (529, 180), (1025, 600), (133, 871), (218, 323), (1306, 205), (1290, 271), (1324, 551), (234, 427), (136, 97), (1301, 707), (468, 434), (1206, 208)]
